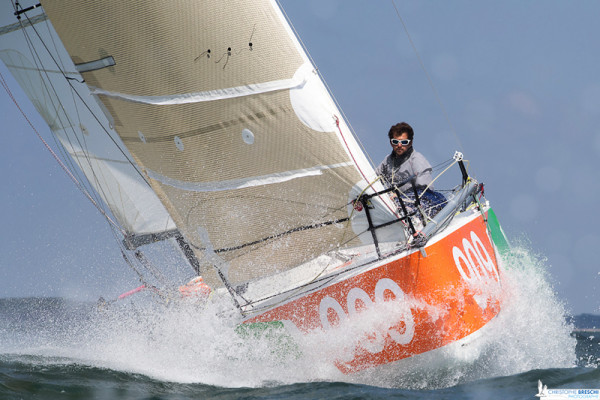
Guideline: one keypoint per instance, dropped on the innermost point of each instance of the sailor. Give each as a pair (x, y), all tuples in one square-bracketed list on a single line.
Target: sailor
[(403, 163)]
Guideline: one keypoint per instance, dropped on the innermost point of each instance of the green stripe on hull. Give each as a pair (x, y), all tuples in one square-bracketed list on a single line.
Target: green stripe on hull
[(497, 233)]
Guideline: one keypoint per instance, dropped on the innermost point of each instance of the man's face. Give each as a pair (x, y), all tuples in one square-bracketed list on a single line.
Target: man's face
[(399, 149)]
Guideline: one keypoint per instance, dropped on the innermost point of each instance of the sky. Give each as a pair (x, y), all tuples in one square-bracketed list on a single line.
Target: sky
[(514, 85)]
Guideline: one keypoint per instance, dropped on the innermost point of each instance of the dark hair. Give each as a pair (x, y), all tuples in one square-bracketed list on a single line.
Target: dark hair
[(401, 128)]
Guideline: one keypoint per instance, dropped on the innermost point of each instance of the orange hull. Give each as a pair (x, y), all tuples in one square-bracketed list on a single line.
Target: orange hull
[(445, 295)]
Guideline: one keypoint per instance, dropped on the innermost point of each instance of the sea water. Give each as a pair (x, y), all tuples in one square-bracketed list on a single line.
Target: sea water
[(56, 348)]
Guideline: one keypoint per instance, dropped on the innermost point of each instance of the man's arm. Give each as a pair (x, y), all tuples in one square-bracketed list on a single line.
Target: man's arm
[(423, 171)]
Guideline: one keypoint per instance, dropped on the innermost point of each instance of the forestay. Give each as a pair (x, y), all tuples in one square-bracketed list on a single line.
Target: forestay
[(228, 120)]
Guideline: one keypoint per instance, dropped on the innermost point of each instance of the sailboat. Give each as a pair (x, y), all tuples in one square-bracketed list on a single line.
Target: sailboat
[(205, 124)]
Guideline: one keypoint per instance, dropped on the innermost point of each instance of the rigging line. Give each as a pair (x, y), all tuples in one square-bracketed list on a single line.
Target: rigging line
[(343, 236), (60, 105), (100, 187), (138, 260), (86, 191), (325, 279), (38, 67), (164, 297), (278, 235), (337, 122), (155, 272), (422, 64), (370, 185), (59, 109), (89, 109), (56, 157), (49, 87), (138, 273), (442, 164), (56, 49), (436, 178)]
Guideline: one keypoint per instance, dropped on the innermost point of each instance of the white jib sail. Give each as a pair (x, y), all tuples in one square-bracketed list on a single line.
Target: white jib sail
[(82, 128)]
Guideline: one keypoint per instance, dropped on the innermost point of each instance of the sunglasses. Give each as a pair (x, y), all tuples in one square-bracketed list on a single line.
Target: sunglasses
[(403, 142)]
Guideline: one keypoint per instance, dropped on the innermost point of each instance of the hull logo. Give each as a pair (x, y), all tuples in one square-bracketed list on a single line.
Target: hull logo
[(375, 343), (473, 261)]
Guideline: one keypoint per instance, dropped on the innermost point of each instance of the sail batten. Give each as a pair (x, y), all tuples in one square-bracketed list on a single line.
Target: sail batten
[(211, 95), (244, 183), (104, 62)]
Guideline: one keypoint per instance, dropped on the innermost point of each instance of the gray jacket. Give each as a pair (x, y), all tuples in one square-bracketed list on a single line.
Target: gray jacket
[(395, 169)]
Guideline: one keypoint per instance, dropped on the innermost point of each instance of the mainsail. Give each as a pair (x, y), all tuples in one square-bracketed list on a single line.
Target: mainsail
[(230, 124)]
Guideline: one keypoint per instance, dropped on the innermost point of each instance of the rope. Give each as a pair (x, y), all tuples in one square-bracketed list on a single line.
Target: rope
[(422, 64), (58, 160), (61, 113), (88, 192), (436, 178), (71, 170)]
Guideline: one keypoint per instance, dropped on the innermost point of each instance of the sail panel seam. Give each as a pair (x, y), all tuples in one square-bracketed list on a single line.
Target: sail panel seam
[(81, 154)]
